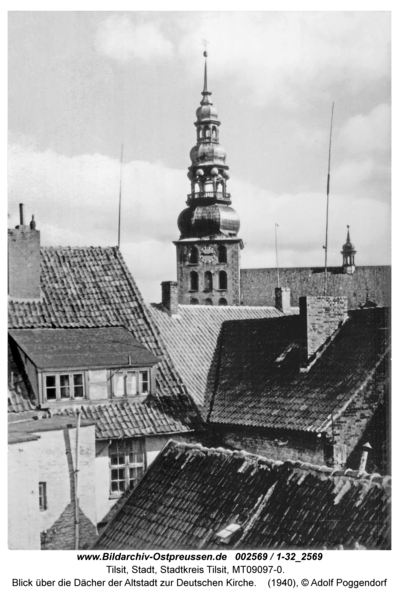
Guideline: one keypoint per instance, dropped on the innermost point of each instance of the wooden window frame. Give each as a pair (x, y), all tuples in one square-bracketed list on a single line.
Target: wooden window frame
[(57, 387), (127, 459), (139, 381), (42, 495)]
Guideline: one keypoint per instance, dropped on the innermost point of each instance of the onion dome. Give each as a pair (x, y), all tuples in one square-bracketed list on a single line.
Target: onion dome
[(208, 153), (210, 220)]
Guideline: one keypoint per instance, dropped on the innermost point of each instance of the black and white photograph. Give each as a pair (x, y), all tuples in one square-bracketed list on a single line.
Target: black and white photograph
[(199, 285)]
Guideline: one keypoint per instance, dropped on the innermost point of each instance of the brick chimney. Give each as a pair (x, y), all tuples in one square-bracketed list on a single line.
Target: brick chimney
[(320, 318), (24, 260), (282, 298), (169, 296)]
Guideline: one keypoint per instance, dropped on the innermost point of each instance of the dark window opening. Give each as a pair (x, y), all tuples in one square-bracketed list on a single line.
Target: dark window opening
[(208, 301), (194, 301), (194, 281), (208, 281), (222, 254), (222, 302), (193, 258), (223, 280)]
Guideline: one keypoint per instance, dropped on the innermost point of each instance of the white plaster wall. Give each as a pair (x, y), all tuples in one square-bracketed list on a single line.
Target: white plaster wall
[(23, 496), (53, 468)]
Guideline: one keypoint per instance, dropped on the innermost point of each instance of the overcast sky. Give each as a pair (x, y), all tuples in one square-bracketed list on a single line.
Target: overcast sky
[(81, 83)]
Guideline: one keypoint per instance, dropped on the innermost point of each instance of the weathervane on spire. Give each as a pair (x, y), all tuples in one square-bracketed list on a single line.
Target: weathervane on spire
[(205, 43)]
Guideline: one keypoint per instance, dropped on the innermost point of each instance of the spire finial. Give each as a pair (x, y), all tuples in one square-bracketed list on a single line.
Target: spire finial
[(348, 237), (205, 90)]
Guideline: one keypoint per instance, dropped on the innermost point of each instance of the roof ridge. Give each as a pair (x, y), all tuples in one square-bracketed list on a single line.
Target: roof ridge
[(384, 480)]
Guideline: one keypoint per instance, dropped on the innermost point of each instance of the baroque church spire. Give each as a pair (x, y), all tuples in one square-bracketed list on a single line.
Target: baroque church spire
[(208, 174), (208, 251)]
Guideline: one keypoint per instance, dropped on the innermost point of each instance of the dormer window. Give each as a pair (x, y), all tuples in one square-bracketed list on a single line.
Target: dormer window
[(129, 383), (93, 364), (64, 386)]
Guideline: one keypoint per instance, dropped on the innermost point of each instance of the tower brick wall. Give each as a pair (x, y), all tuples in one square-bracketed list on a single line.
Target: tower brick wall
[(187, 295)]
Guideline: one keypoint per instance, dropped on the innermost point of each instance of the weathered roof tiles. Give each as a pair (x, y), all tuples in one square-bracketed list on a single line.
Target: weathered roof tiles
[(190, 493)]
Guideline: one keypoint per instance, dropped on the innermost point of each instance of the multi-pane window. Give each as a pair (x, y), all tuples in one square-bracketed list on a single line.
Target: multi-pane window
[(130, 382), (42, 495), (63, 386), (127, 465)]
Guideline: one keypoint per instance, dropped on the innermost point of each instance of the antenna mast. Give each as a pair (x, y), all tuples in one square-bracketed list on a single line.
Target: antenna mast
[(120, 200), (328, 198), (278, 274)]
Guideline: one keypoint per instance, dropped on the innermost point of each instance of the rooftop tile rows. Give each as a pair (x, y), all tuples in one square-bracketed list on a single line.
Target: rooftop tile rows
[(129, 419), (190, 493), (192, 337), (259, 382), (92, 287)]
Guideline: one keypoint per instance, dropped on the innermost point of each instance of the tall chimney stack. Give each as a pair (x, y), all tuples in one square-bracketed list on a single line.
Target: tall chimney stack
[(320, 318), (282, 298), (363, 460), (169, 297), (24, 260)]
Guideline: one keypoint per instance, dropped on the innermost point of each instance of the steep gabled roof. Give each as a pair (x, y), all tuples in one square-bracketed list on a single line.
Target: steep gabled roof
[(92, 287), (191, 338), (259, 382), (190, 493)]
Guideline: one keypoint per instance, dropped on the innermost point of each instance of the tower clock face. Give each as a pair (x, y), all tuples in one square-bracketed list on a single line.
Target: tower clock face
[(207, 254)]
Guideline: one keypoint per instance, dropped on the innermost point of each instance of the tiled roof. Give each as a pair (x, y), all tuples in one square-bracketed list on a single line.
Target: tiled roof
[(190, 493), (17, 403), (192, 337), (92, 287), (160, 416), (77, 348), (259, 382), (257, 285)]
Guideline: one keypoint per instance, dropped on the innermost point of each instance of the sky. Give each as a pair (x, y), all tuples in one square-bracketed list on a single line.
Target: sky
[(83, 83)]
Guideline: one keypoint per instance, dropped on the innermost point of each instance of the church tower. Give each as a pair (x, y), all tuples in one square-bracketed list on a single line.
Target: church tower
[(348, 256), (208, 251)]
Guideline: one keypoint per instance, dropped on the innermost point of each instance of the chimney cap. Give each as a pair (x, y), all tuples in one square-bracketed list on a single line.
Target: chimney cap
[(367, 446)]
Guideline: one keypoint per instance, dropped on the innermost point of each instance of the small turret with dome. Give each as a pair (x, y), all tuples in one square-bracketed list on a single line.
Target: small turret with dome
[(348, 253), (209, 225)]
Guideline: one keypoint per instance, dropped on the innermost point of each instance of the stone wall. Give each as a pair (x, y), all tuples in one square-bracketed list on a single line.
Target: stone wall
[(258, 285), (277, 445)]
